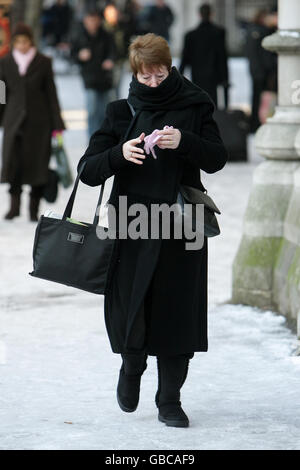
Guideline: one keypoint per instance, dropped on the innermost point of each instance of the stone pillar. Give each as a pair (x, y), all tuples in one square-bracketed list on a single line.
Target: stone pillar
[(266, 270)]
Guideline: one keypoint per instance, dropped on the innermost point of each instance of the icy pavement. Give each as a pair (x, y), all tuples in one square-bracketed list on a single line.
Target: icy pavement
[(58, 383), (58, 375)]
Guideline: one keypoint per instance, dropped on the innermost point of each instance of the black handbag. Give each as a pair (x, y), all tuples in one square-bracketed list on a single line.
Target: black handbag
[(50, 190), (70, 252), (193, 195)]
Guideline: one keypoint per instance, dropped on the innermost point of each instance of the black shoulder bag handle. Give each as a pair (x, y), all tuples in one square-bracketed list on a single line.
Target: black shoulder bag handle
[(74, 254), (70, 204)]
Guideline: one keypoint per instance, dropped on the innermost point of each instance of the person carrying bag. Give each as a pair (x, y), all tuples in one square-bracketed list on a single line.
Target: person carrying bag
[(71, 252), (64, 250)]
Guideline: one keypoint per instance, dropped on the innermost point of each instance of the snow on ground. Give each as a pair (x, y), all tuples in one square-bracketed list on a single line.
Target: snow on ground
[(58, 385), (58, 375)]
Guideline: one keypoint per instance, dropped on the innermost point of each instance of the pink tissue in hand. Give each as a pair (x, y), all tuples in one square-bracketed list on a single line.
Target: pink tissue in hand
[(152, 139)]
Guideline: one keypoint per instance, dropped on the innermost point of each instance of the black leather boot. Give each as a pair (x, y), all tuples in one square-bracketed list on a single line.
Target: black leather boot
[(172, 373), (14, 211), (128, 389), (34, 207)]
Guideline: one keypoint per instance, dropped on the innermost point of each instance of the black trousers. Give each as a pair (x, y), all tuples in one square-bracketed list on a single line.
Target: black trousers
[(257, 89)]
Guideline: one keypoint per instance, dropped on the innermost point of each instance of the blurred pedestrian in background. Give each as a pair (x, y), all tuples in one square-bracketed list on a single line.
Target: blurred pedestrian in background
[(160, 19), (31, 114), (205, 52), (271, 58), (115, 24), (262, 63), (130, 17), (57, 21), (93, 49)]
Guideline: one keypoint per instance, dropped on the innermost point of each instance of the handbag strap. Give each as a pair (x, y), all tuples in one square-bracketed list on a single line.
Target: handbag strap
[(69, 207), (70, 204), (97, 213), (131, 108)]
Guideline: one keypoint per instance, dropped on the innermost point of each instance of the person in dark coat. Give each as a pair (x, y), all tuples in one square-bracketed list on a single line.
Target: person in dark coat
[(61, 15), (93, 49), (160, 18), (262, 63), (156, 299), (130, 20), (29, 117), (205, 52)]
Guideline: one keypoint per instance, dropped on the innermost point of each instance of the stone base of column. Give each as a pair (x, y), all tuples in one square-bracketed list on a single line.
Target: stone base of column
[(286, 282), (266, 270), (253, 272)]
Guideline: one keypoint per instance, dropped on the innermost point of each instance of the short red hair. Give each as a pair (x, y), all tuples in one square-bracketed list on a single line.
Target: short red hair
[(149, 51)]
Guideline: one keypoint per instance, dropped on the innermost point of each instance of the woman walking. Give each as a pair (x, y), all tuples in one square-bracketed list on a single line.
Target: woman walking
[(30, 115), (156, 301)]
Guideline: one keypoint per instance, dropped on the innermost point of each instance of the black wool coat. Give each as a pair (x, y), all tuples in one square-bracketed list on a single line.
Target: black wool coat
[(157, 295), (102, 47), (205, 52), (31, 108), (262, 63)]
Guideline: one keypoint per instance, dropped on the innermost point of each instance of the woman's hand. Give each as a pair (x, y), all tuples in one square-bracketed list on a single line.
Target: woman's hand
[(85, 55), (108, 64), (57, 132), (170, 139), (133, 153)]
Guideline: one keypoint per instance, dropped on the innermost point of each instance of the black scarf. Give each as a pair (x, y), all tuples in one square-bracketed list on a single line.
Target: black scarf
[(174, 102), (173, 93)]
